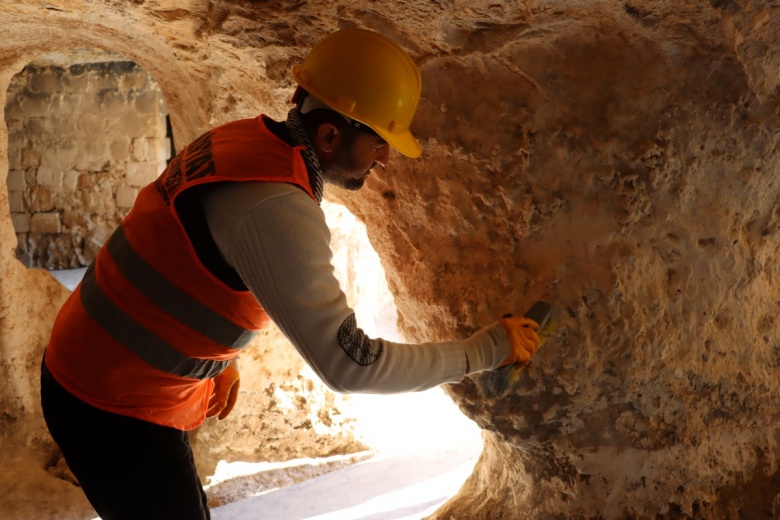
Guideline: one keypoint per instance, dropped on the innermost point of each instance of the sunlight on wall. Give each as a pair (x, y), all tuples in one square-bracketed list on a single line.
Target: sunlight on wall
[(399, 423), (423, 447)]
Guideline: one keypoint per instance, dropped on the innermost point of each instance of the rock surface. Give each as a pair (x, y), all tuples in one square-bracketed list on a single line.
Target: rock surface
[(617, 159)]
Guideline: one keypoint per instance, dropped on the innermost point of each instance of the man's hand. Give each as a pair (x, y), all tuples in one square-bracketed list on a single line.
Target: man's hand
[(522, 337), (225, 391)]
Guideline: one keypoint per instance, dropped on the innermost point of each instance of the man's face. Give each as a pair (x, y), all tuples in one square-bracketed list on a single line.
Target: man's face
[(353, 161)]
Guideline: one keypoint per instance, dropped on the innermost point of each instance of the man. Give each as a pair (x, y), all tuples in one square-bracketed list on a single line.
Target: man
[(228, 236)]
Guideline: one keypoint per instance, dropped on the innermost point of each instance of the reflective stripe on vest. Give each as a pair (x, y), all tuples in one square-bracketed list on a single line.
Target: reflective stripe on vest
[(170, 299)]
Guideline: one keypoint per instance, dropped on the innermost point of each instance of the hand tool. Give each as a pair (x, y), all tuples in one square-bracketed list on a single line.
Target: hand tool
[(496, 383)]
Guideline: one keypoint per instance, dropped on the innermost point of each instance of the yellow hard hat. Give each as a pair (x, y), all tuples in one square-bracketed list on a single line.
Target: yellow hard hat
[(365, 76)]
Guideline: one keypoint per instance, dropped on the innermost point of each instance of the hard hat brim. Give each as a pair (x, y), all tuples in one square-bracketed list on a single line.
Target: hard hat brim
[(404, 142)]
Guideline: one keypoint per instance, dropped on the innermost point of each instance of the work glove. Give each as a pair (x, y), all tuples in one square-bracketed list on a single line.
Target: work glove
[(522, 338), (225, 393)]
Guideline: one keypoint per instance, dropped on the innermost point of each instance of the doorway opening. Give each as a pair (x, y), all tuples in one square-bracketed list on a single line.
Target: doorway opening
[(423, 447), (87, 129)]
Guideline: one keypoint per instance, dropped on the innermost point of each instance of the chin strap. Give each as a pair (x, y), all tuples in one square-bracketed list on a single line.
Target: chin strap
[(301, 138)]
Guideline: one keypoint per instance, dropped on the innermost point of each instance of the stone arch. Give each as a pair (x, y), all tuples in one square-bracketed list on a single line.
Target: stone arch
[(31, 318), (87, 129)]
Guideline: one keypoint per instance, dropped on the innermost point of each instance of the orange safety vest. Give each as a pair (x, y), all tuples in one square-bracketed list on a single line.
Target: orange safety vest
[(149, 326)]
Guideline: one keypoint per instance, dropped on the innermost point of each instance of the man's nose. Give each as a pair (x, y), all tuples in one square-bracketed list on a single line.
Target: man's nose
[(383, 155)]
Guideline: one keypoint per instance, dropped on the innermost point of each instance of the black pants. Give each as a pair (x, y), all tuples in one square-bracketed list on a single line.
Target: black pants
[(129, 469)]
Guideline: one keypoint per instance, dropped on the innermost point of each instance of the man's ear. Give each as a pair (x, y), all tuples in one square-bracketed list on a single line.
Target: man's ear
[(328, 138)]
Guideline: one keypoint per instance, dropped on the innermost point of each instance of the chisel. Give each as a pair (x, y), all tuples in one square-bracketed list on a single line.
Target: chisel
[(496, 383)]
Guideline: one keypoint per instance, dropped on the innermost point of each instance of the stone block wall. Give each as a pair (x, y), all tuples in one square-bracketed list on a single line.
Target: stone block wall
[(83, 139)]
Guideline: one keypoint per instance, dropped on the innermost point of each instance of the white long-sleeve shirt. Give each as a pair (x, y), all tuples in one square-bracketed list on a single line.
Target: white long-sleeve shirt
[(276, 238)]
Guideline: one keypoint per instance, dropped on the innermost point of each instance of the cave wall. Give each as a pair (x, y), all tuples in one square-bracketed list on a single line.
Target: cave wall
[(626, 170), (618, 160)]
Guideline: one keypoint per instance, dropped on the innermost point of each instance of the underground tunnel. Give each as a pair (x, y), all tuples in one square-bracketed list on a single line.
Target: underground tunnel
[(617, 160)]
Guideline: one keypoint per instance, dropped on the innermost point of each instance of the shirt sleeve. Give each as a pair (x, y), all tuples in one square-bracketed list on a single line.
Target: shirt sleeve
[(276, 237)]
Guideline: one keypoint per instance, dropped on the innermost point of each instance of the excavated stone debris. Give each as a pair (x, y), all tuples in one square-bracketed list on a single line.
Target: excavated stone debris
[(619, 160)]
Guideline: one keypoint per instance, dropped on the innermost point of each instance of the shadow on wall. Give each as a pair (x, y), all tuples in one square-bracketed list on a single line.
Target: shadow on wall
[(86, 130)]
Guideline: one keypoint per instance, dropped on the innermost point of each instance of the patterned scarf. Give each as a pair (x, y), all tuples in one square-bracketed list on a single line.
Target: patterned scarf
[(301, 138)]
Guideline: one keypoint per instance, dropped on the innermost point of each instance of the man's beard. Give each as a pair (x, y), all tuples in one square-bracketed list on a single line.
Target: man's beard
[(353, 184), (342, 172), (348, 184)]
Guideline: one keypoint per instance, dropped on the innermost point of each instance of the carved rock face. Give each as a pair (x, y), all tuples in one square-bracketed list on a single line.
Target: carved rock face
[(620, 162)]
